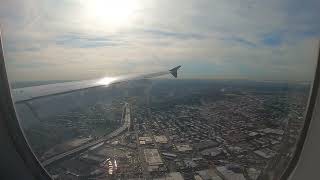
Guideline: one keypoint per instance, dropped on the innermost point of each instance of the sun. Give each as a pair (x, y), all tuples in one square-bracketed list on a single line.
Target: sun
[(110, 14)]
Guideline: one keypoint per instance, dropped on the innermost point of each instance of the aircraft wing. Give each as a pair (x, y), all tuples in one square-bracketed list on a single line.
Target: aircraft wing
[(34, 92)]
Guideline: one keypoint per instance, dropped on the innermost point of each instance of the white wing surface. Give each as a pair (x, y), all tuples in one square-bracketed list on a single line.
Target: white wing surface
[(34, 92)]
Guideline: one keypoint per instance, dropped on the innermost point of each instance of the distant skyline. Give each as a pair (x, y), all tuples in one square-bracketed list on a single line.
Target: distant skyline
[(211, 39)]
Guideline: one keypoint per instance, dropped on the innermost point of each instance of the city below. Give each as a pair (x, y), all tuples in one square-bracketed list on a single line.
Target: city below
[(168, 129)]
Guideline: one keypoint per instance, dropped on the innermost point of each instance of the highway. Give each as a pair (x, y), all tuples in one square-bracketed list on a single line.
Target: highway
[(127, 121)]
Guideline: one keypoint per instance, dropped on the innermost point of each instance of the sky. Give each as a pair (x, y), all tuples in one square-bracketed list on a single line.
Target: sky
[(211, 39)]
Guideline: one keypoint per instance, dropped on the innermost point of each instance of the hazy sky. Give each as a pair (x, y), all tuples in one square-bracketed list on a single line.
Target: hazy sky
[(83, 39)]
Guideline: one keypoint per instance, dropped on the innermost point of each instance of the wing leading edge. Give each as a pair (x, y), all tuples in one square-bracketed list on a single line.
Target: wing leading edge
[(34, 92)]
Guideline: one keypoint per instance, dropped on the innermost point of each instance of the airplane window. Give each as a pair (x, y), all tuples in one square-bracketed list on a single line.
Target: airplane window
[(233, 110)]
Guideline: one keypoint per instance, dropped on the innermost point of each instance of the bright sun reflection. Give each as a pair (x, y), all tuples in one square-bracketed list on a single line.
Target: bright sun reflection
[(110, 13), (106, 81)]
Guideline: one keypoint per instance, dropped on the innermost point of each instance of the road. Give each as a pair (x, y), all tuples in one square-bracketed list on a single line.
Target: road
[(127, 122)]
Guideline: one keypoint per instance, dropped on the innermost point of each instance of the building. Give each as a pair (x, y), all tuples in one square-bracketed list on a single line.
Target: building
[(152, 157), (161, 139), (207, 174), (265, 153), (229, 174), (145, 140), (205, 145), (172, 176), (211, 153), (272, 131), (184, 147), (169, 155)]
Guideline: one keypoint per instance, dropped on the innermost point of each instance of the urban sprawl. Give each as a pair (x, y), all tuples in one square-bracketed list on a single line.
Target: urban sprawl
[(186, 130)]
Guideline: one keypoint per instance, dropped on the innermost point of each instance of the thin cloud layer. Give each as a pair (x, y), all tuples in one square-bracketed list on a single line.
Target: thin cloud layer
[(77, 39)]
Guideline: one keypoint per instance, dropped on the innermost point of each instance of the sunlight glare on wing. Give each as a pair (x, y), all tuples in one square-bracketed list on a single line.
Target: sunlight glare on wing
[(106, 81)]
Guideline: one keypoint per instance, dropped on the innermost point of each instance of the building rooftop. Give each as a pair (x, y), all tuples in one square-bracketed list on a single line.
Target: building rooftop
[(265, 153), (152, 157), (172, 176), (228, 174), (145, 140), (161, 139), (208, 174), (184, 147), (272, 131)]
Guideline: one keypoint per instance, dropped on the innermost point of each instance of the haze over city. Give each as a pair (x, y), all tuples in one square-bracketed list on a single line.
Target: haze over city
[(233, 108), (77, 39)]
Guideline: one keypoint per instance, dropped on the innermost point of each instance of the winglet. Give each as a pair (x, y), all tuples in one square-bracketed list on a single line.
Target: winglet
[(174, 71)]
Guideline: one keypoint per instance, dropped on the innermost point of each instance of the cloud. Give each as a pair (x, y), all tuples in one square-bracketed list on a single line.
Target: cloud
[(240, 41), (84, 41), (272, 39), (177, 35)]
